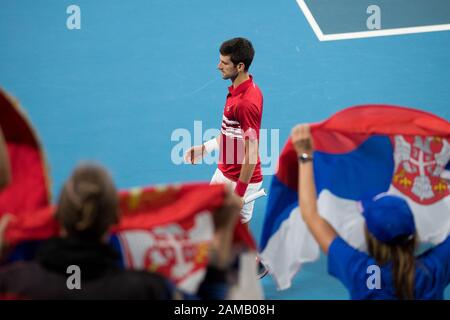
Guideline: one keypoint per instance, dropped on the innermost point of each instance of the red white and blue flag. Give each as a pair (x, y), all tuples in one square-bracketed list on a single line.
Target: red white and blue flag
[(360, 152)]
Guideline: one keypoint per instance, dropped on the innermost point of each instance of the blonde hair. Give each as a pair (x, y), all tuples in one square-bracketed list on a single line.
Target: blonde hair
[(403, 262), (88, 204)]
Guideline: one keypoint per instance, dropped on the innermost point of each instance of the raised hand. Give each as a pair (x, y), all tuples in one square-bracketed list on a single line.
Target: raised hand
[(301, 139)]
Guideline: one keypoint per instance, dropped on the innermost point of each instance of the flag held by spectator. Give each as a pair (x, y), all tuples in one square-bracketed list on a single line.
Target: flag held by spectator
[(360, 152), (168, 230)]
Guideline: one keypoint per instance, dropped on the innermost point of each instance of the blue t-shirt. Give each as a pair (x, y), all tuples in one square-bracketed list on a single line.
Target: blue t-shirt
[(353, 269)]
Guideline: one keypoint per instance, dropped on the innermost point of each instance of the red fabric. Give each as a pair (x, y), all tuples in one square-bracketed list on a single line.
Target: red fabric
[(28, 189), (139, 210), (156, 206), (360, 122), (243, 236), (168, 224), (288, 174), (32, 225), (241, 120), (347, 129)]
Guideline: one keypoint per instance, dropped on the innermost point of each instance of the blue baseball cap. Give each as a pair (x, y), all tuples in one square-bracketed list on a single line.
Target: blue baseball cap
[(388, 218)]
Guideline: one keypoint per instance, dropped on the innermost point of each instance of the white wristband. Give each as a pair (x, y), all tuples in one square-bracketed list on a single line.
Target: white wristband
[(211, 145)]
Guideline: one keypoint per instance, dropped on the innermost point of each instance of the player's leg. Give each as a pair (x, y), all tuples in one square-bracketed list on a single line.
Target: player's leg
[(247, 209), (218, 177), (246, 215)]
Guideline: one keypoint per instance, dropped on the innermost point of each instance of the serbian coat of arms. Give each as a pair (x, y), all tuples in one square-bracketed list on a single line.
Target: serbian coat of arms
[(420, 164)]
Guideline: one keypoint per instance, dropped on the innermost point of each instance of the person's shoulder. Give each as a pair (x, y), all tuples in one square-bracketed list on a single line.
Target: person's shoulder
[(445, 243), (246, 104), (433, 271), (251, 101), (341, 250), (444, 246), (437, 254), (339, 243), (349, 265), (254, 90)]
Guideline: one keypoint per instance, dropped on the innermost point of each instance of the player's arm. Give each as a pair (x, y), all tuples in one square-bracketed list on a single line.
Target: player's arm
[(5, 174), (322, 231), (196, 153), (249, 116), (248, 165), (211, 145)]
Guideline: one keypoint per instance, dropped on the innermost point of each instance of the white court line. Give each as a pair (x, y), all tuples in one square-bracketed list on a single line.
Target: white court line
[(312, 22), (365, 34)]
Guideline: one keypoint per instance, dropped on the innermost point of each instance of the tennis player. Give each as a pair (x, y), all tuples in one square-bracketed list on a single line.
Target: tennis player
[(239, 162)]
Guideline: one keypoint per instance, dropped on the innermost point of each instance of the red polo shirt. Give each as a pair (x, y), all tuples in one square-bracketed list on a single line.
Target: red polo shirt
[(241, 120)]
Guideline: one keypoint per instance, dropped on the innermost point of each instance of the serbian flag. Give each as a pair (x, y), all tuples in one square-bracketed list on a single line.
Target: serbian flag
[(168, 230), (360, 152)]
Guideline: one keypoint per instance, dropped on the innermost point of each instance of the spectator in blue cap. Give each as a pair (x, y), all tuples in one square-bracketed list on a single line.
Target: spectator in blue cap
[(391, 242), (389, 219)]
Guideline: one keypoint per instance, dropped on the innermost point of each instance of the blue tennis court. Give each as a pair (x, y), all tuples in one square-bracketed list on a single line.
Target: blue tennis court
[(117, 89)]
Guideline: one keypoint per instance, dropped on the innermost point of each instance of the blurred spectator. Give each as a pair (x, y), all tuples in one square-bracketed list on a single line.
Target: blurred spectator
[(87, 208), (391, 239)]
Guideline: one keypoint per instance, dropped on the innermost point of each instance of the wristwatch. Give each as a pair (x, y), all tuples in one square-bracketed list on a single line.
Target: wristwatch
[(305, 157)]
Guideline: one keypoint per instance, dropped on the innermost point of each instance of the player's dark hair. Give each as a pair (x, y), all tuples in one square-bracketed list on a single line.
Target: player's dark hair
[(88, 204), (239, 50)]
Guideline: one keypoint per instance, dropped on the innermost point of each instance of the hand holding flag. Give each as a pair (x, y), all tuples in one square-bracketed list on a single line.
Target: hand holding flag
[(391, 149), (301, 139)]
